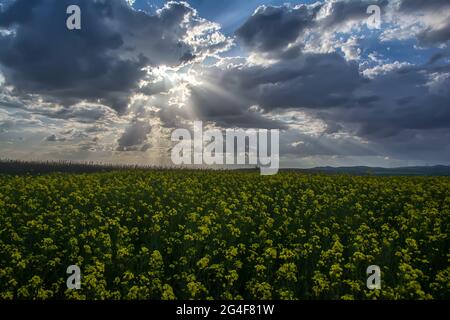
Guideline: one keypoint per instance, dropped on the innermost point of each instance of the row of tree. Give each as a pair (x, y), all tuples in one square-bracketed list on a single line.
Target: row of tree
[(41, 167)]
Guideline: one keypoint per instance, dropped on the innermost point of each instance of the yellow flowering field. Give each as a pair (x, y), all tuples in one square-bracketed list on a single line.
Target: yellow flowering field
[(223, 235)]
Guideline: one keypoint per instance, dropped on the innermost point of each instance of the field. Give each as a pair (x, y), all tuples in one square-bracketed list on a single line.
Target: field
[(223, 235)]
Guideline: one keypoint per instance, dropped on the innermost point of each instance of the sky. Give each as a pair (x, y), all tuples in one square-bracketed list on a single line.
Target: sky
[(341, 90)]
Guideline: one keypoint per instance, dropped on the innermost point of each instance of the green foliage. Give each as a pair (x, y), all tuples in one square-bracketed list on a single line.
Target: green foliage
[(223, 235)]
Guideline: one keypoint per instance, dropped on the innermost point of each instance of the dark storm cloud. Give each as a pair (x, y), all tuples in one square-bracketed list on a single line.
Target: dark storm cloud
[(103, 61), (81, 113), (420, 5), (135, 137), (303, 145), (348, 10), (410, 98), (273, 28), (433, 35), (438, 56), (431, 145), (54, 138), (43, 56), (311, 81), (226, 107)]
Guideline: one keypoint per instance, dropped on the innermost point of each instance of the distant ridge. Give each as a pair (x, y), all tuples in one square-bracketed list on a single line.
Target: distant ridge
[(439, 170)]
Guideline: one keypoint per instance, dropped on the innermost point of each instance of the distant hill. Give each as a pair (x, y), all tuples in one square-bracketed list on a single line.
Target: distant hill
[(402, 171)]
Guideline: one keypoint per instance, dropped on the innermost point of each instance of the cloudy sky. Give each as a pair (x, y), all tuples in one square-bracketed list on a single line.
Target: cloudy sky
[(341, 92)]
